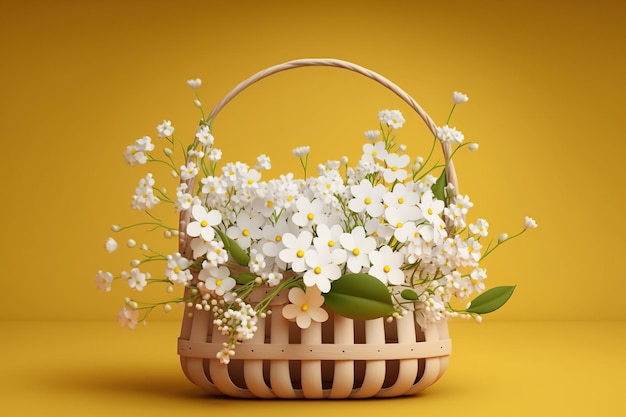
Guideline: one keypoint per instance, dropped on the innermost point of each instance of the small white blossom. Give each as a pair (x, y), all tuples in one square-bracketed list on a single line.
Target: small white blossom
[(194, 83), (165, 129), (529, 223), (449, 135), (372, 135), (128, 317), (391, 118), (263, 162), (104, 280), (301, 151), (177, 270), (459, 98), (137, 279), (204, 136)]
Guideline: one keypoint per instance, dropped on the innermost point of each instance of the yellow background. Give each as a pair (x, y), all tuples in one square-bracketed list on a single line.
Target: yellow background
[(81, 80)]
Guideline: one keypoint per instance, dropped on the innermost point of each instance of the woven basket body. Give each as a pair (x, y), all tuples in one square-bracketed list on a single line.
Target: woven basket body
[(340, 358)]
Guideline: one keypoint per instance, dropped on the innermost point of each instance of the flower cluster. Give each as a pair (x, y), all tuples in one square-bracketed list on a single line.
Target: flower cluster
[(384, 227)]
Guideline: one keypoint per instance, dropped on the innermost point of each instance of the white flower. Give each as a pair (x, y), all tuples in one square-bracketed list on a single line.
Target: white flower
[(138, 279), (215, 155), (358, 247), (322, 267), (394, 170), (246, 229), (165, 129), (177, 269), (386, 265), (449, 135), (301, 151), (128, 317), (194, 83), (104, 280), (188, 171), (184, 199), (216, 279), (295, 249), (137, 153), (204, 136), (368, 198), (203, 226), (110, 245), (327, 236), (263, 162), (373, 152), (144, 197), (391, 118), (309, 212), (372, 135), (529, 223), (459, 98), (305, 307), (480, 228)]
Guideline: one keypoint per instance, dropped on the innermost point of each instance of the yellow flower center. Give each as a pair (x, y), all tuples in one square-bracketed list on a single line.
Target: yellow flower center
[(367, 200), (386, 268), (356, 251), (250, 181), (401, 200), (290, 198), (270, 204), (278, 238), (394, 169), (375, 234), (176, 269), (474, 281), (430, 211), (374, 153), (328, 186), (304, 307), (218, 282), (218, 251), (310, 216), (331, 243), (398, 225), (204, 223), (317, 270), (300, 253), (245, 232)]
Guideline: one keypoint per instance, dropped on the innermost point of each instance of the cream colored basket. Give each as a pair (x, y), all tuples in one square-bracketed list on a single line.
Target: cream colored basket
[(340, 358)]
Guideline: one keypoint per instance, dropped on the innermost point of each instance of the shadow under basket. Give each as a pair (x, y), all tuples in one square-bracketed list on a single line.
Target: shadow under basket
[(340, 358)]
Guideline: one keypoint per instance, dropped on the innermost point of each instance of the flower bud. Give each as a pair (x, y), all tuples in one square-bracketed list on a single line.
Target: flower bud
[(473, 147), (131, 243), (197, 103), (168, 151), (115, 228), (135, 263), (502, 237), (110, 245)]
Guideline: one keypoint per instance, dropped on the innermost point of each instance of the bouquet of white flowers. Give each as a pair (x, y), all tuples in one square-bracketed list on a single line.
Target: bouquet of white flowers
[(388, 237)]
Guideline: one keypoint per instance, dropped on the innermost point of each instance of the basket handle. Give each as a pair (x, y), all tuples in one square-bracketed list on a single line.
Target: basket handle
[(324, 62), (337, 63)]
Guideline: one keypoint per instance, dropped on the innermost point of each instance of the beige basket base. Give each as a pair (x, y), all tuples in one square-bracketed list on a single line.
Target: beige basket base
[(341, 358)]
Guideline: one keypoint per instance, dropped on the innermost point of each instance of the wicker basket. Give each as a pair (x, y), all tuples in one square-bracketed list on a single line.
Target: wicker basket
[(340, 358)]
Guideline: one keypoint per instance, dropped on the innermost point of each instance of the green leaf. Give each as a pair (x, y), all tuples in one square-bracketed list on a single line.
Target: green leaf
[(234, 250), (359, 297), (439, 187), (491, 300), (409, 295), (245, 278)]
